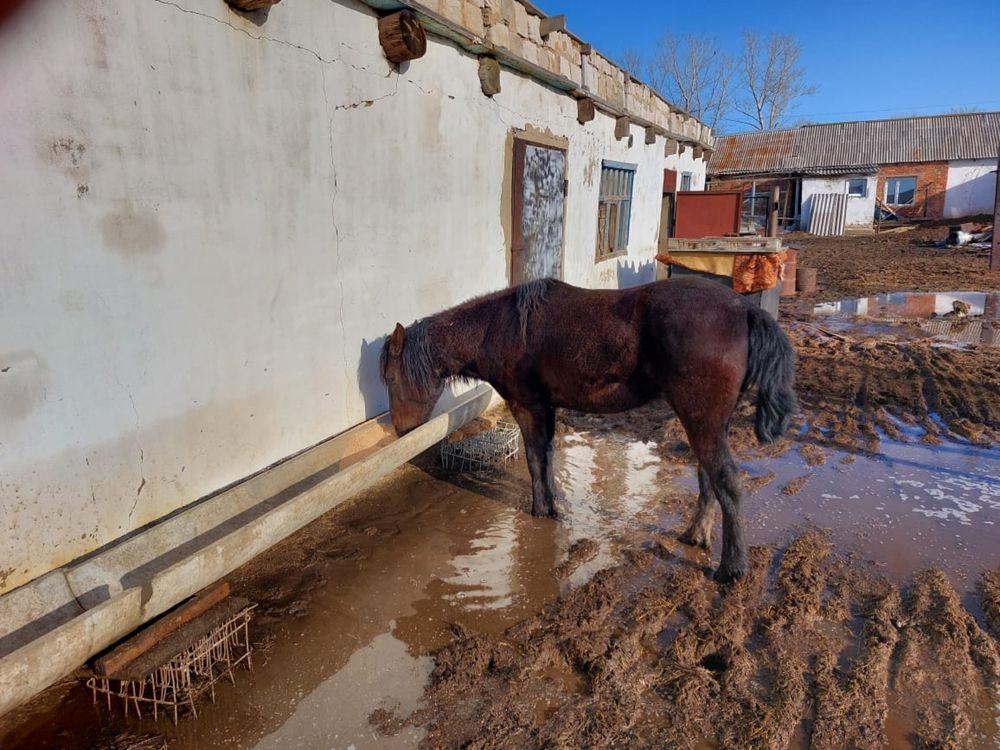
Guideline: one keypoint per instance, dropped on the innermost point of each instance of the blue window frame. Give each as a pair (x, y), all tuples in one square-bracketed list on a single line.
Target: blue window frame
[(614, 211)]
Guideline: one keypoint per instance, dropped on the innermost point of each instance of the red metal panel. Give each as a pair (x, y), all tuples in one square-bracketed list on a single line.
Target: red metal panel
[(704, 214), (669, 181)]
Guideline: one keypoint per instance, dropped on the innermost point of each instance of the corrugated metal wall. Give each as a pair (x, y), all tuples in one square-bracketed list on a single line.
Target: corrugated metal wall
[(829, 214)]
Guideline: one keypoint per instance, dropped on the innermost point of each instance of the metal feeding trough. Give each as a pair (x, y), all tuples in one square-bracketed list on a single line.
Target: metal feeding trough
[(496, 446)]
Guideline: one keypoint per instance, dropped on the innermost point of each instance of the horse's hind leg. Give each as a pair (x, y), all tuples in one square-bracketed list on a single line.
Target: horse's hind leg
[(699, 533), (707, 436)]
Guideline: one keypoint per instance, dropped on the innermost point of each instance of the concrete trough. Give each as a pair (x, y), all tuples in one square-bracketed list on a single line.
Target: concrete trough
[(52, 625)]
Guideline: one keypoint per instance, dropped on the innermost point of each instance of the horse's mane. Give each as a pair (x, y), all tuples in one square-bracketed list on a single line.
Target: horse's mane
[(416, 355), (528, 299)]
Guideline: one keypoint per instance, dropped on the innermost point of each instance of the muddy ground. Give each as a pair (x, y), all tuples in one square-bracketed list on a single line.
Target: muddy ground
[(907, 261), (434, 612)]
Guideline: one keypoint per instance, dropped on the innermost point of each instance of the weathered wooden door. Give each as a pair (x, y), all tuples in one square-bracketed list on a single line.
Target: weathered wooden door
[(539, 202)]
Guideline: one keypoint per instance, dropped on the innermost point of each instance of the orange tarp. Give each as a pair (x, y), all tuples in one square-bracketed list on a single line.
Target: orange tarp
[(751, 272)]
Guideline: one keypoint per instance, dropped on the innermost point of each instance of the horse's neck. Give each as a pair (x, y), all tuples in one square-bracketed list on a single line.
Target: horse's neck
[(459, 336)]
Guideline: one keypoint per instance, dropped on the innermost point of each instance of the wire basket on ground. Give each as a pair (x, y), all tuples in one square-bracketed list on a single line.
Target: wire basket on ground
[(185, 665), (497, 446)]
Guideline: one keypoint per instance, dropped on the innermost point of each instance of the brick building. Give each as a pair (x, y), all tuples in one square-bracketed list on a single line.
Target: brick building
[(940, 167)]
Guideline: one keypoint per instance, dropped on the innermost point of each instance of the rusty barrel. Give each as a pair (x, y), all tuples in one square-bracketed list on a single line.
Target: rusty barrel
[(788, 282), (805, 280)]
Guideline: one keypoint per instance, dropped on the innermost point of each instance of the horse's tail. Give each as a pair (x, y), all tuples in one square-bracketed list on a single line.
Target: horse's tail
[(771, 367)]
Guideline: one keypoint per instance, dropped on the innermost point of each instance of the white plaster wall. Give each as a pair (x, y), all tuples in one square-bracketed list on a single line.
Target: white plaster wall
[(972, 186), (206, 234), (860, 209)]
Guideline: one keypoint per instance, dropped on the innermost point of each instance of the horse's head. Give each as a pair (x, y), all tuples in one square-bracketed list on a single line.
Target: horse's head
[(409, 375)]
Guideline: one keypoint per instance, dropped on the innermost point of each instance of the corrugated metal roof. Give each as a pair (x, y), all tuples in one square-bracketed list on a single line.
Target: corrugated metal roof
[(764, 151), (846, 145), (838, 170)]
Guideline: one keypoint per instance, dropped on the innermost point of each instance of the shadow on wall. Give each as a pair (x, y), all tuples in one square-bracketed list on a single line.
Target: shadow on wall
[(374, 393), (631, 273)]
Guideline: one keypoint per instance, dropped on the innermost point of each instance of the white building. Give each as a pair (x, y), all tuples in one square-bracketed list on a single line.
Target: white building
[(933, 168), (212, 218)]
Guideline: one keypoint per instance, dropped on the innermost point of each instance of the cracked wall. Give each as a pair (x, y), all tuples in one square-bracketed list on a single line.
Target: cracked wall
[(211, 224)]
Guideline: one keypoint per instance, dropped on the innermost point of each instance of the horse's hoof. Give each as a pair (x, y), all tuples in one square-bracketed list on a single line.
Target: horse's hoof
[(692, 540), (726, 576), (550, 513)]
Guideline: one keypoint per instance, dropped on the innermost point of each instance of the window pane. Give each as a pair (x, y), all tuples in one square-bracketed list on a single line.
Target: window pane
[(900, 190), (856, 187)]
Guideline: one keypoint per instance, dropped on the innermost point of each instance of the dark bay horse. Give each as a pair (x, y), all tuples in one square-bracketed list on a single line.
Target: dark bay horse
[(546, 345)]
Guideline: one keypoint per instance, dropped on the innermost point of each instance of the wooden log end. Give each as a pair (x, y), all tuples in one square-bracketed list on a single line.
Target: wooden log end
[(402, 36), (585, 110), (553, 23), (249, 6), (650, 135), (622, 127), (489, 75)]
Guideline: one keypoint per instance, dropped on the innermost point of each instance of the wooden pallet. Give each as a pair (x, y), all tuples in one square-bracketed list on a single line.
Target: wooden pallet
[(739, 245)]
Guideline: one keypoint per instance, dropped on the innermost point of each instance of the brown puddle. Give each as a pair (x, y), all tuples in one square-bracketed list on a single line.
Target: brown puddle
[(354, 607)]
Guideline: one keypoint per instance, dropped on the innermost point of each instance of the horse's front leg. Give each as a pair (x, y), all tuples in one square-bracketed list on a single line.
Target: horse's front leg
[(538, 425)]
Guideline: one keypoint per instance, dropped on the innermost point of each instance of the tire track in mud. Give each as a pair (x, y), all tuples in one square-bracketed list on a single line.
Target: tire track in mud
[(809, 649)]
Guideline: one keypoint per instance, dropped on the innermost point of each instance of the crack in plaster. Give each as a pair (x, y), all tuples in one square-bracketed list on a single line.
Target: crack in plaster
[(336, 234), (142, 455), (260, 38)]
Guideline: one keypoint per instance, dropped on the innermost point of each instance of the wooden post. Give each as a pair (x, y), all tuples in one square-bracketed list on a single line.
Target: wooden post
[(772, 222), (402, 36), (489, 75), (995, 250), (585, 110)]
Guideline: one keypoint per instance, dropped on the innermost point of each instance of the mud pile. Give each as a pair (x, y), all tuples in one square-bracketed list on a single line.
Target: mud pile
[(854, 385), (809, 649)]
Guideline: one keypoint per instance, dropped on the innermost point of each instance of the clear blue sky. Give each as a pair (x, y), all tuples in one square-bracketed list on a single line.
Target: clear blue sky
[(869, 60)]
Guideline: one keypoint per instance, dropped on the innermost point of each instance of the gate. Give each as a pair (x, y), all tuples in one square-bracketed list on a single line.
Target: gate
[(707, 214), (538, 206)]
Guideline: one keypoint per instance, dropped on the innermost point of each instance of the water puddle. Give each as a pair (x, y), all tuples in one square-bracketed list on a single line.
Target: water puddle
[(963, 317)]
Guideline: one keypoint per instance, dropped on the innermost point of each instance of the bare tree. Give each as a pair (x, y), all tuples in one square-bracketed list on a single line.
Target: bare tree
[(694, 73), (771, 80), (632, 63)]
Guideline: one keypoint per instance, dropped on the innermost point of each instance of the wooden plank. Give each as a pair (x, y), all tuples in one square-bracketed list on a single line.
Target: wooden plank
[(726, 244), (553, 23), (146, 639)]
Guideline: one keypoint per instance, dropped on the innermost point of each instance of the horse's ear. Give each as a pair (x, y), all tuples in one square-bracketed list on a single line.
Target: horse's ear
[(396, 340)]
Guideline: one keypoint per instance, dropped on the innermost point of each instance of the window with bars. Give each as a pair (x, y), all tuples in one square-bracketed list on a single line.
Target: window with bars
[(614, 211), (686, 179)]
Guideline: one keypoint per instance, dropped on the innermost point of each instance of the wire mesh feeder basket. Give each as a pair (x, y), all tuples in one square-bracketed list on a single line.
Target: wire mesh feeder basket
[(497, 446)]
